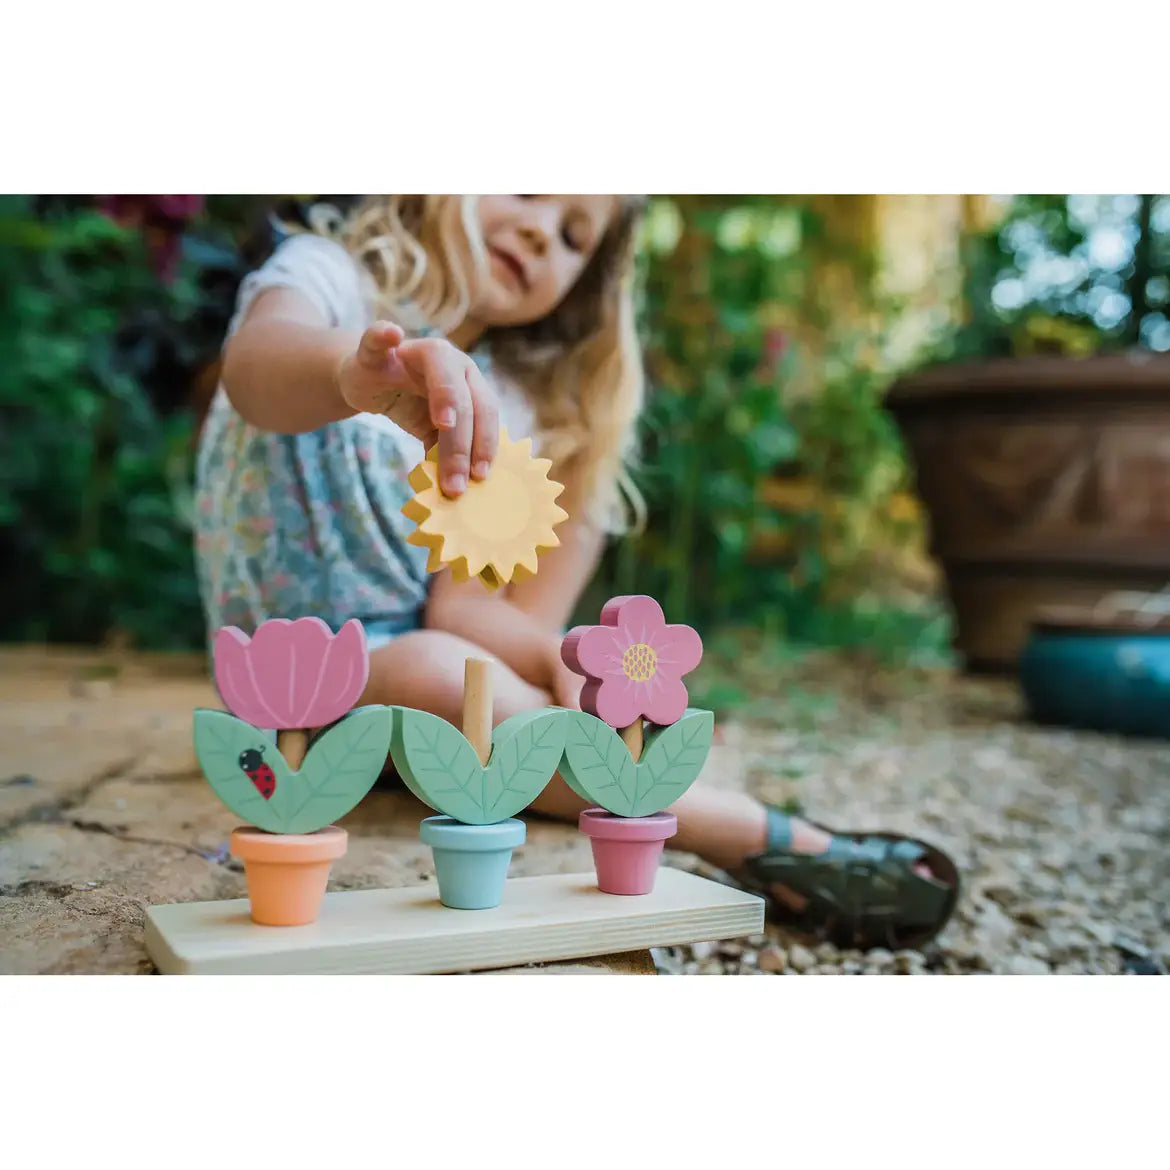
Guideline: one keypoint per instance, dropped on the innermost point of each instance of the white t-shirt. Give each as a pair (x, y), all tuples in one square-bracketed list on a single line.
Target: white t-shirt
[(311, 525)]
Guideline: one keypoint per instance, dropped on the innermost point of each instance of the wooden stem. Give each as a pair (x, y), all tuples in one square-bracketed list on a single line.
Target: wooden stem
[(632, 737), (293, 745), (477, 706)]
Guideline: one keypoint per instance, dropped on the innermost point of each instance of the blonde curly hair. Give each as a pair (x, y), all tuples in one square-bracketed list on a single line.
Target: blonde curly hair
[(580, 367)]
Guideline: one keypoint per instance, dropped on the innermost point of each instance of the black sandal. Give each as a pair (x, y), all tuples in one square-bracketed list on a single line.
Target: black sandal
[(861, 892)]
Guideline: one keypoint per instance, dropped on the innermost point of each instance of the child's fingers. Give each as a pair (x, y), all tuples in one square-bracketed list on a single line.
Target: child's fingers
[(449, 397), (434, 371), (459, 403), (455, 455), (376, 343), (486, 437)]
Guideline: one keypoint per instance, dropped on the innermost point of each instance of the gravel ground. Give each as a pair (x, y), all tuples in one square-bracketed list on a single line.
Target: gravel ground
[(1061, 837)]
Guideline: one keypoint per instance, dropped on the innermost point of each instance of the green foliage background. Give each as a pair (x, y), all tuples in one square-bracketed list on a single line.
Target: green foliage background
[(739, 400), (1069, 274), (94, 495), (97, 443), (772, 476)]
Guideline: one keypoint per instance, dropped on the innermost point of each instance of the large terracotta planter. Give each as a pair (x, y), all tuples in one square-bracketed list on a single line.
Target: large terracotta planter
[(1046, 480)]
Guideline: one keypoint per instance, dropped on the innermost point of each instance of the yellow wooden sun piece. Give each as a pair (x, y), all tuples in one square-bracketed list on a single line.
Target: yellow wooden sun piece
[(499, 526)]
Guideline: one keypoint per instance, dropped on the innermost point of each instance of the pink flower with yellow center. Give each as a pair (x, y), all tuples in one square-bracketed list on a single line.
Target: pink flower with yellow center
[(633, 663)]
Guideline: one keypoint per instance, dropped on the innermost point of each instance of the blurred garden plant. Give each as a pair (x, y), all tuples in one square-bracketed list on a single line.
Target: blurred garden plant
[(108, 316), (769, 466)]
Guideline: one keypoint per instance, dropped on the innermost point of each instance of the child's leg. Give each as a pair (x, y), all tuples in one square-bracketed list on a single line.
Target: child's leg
[(424, 669)]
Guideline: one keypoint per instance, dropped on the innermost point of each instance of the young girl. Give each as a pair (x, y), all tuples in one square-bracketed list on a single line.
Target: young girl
[(424, 317)]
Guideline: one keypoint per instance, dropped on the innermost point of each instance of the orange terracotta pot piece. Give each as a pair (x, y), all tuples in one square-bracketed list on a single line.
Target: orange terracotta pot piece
[(287, 872)]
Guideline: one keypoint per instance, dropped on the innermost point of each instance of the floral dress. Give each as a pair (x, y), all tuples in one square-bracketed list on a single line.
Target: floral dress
[(311, 525)]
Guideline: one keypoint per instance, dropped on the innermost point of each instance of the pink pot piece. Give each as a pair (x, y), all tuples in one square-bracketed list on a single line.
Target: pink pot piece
[(626, 850), (292, 674), (633, 663)]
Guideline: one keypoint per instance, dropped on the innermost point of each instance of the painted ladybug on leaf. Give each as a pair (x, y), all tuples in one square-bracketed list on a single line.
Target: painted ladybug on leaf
[(260, 773)]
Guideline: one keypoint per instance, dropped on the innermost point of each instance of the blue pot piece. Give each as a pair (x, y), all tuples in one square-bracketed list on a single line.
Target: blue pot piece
[(471, 861)]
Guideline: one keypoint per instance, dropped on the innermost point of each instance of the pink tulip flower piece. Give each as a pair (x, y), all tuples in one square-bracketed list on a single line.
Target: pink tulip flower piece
[(633, 663), (292, 674)]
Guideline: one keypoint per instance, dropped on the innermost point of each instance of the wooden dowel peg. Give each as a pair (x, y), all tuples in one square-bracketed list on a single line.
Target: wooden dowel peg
[(632, 737), (477, 706), (293, 745)]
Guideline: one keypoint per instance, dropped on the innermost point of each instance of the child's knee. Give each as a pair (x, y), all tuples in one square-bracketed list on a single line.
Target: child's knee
[(425, 668)]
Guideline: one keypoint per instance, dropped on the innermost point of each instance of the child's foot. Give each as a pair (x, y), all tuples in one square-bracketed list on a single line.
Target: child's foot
[(879, 889)]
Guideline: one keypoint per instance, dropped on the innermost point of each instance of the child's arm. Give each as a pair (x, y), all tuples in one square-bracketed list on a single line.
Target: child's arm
[(550, 597), (285, 370)]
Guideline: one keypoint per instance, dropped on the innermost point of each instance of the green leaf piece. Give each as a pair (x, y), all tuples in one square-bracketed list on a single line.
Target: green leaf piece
[(597, 764), (598, 767), (672, 759), (441, 768), (526, 751), (220, 741), (433, 758), (338, 771)]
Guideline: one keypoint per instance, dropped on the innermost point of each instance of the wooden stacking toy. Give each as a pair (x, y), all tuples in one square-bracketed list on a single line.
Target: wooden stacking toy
[(290, 677), (632, 751), (479, 780), (633, 664)]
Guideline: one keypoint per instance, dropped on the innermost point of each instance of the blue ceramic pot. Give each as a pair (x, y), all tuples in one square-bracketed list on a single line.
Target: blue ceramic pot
[(1098, 681), (471, 861)]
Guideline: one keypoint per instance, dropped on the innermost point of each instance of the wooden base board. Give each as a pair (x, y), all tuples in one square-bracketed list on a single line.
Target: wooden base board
[(407, 931)]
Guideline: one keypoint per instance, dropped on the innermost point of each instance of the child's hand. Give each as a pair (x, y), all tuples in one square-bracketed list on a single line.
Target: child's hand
[(427, 387)]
